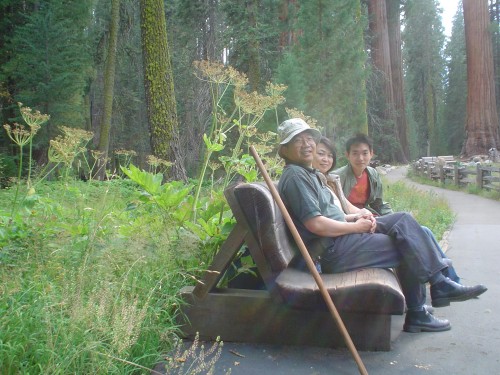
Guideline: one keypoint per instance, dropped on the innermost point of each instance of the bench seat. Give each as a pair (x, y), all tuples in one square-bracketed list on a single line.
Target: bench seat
[(369, 290)]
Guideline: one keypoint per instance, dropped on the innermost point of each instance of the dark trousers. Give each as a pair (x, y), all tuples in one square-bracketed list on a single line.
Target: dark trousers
[(399, 242)]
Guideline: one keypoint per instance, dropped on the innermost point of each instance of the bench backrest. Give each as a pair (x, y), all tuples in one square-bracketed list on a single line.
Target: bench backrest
[(272, 246)]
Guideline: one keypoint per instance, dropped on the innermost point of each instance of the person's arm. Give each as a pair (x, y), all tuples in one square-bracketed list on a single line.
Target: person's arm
[(325, 227), (352, 212)]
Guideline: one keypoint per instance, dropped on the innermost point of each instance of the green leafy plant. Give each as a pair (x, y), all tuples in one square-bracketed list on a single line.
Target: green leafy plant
[(214, 221), (150, 182)]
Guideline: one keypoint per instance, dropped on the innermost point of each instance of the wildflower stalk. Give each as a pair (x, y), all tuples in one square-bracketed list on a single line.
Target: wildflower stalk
[(248, 106), (18, 184), (20, 136), (220, 78), (34, 121), (45, 174)]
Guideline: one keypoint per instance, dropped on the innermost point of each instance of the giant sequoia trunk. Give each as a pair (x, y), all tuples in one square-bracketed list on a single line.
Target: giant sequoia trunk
[(394, 31), (482, 119), (159, 87), (381, 59), (495, 20)]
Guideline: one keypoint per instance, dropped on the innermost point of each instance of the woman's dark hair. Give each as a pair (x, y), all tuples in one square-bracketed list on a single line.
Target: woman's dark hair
[(330, 147)]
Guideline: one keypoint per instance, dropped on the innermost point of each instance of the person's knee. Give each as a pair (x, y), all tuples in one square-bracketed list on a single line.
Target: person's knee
[(408, 217)]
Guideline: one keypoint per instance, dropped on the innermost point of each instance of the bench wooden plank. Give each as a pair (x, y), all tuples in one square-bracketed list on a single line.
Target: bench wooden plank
[(254, 316), (368, 290), (221, 261)]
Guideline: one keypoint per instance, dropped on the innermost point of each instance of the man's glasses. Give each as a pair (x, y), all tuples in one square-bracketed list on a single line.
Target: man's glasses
[(299, 141)]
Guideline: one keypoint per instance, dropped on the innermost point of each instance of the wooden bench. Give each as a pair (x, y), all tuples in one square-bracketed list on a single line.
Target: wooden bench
[(291, 310)]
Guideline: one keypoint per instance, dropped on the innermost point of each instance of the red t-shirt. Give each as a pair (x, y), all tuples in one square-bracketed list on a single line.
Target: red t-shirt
[(361, 191)]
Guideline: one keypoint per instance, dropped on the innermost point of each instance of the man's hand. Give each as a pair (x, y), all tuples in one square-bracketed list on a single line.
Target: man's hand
[(366, 224), (364, 211)]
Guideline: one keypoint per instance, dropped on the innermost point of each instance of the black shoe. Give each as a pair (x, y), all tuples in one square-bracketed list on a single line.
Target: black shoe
[(449, 291), (423, 321)]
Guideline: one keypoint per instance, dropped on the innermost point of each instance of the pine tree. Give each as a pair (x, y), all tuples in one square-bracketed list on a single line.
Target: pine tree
[(12, 17), (196, 29), (50, 63), (129, 130), (330, 63), (109, 83), (383, 112), (395, 45), (252, 38)]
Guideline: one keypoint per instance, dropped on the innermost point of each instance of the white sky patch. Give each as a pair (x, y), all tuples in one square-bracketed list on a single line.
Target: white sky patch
[(449, 10)]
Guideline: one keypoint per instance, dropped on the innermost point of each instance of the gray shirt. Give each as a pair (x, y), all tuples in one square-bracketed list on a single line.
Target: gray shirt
[(306, 195)]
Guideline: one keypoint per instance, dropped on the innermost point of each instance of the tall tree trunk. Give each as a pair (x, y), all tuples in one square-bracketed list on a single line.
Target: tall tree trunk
[(254, 76), (108, 90), (159, 87), (394, 31), (381, 59), (482, 117), (288, 36)]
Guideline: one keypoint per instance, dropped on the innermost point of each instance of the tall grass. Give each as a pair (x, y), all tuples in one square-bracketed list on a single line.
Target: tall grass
[(428, 209), (88, 286)]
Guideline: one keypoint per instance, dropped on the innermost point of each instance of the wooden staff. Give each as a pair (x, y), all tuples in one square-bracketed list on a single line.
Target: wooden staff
[(310, 263)]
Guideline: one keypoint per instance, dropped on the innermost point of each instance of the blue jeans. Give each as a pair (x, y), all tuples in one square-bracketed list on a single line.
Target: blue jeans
[(399, 242), (450, 271)]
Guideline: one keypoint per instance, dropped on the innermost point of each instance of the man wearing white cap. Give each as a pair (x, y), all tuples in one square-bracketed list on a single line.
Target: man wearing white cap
[(392, 241)]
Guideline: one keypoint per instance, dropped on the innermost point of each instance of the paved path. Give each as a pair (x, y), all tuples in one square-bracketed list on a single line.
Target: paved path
[(471, 347)]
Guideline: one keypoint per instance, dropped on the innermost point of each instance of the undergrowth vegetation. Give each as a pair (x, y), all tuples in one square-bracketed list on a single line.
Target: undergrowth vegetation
[(428, 208), (86, 281)]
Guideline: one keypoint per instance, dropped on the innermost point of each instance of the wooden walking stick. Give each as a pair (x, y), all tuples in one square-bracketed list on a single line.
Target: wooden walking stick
[(310, 263)]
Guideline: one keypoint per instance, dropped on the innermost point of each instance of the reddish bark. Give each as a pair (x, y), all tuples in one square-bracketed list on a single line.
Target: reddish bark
[(482, 118)]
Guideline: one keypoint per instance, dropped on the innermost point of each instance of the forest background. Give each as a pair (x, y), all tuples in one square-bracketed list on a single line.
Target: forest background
[(90, 271), (396, 77)]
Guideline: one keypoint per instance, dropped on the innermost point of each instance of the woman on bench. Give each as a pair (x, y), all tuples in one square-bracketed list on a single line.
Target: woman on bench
[(392, 241)]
